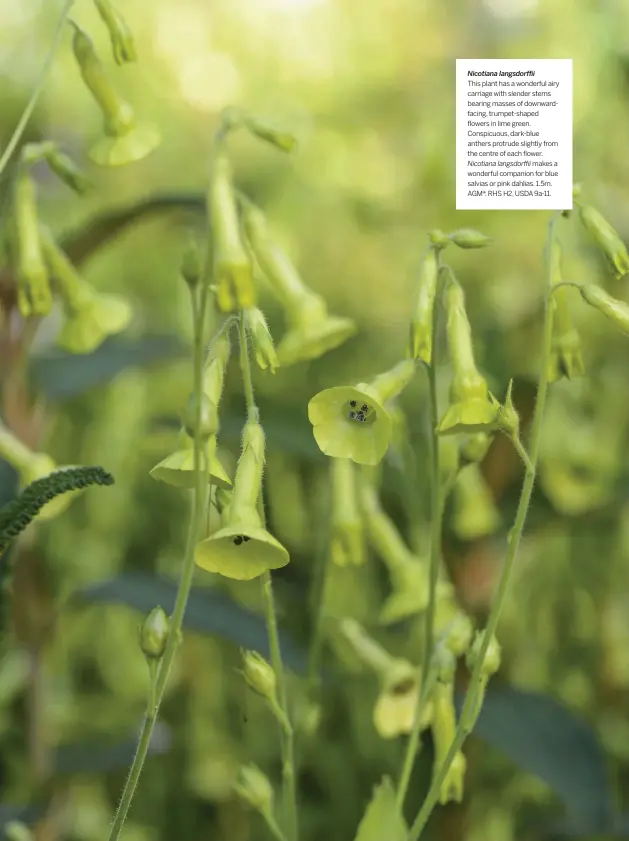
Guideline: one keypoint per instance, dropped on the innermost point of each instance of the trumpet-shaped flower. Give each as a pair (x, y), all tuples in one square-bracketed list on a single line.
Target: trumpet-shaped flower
[(352, 422), (422, 321), (178, 468), (33, 291), (606, 238), (566, 359), (242, 549), (311, 330)]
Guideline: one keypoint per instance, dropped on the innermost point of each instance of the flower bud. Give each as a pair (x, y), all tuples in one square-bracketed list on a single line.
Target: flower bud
[(421, 333), (468, 238), (264, 130), (34, 294), (616, 311), (191, 266), (491, 661), (508, 420), (208, 420), (438, 239), (259, 675), (67, 171), (121, 37), (154, 634), (124, 141), (254, 788), (232, 266), (458, 634), (216, 366), (606, 238), (263, 347)]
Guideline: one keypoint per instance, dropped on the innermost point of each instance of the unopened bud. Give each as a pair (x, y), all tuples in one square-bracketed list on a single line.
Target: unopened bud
[(121, 37), (154, 634), (264, 130), (468, 238), (616, 311), (67, 171), (208, 416), (475, 447), (438, 238), (263, 347), (491, 661), (191, 265), (254, 788), (606, 238), (458, 634), (259, 675), (508, 420)]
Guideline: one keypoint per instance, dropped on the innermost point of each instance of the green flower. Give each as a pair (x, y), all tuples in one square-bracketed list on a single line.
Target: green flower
[(566, 359), (420, 346), (33, 286), (311, 331), (351, 421), (606, 238), (474, 512), (348, 533), (178, 468), (97, 317), (242, 549), (617, 311)]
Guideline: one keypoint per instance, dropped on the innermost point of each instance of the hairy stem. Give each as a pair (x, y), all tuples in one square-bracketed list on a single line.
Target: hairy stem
[(39, 86), (286, 729), (466, 721), (436, 510)]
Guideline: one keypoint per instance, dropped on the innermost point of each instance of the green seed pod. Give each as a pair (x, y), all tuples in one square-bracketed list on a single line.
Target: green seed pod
[(154, 634), (67, 171), (259, 675), (254, 788), (606, 238), (420, 346), (232, 266), (124, 141), (616, 311), (468, 238), (263, 346), (121, 37), (34, 294), (438, 239), (208, 423)]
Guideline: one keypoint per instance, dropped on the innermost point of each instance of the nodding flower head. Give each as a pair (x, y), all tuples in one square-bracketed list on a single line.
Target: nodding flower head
[(394, 712), (421, 332), (352, 422), (606, 238), (472, 408), (474, 511), (178, 468), (566, 358), (242, 548), (33, 285), (121, 37)]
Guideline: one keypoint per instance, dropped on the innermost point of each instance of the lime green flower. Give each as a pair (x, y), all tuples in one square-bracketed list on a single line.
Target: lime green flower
[(348, 533), (242, 549), (121, 37), (263, 347), (468, 238), (177, 469), (232, 266), (474, 512), (473, 448), (443, 728), (352, 422), (311, 331), (124, 141), (33, 291), (617, 311), (566, 359), (472, 408)]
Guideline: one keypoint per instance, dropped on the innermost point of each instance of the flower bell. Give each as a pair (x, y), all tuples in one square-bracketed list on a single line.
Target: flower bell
[(232, 267), (178, 468), (311, 330), (124, 141), (352, 422), (348, 534), (474, 512), (490, 665), (606, 238), (617, 311), (121, 37), (263, 347), (396, 705), (254, 788), (242, 549), (566, 359), (33, 286), (472, 407), (30, 467), (443, 727), (90, 316), (409, 576), (421, 334), (475, 447)]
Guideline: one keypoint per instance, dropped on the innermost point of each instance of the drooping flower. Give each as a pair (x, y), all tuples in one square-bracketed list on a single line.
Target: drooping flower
[(311, 330), (33, 291), (607, 239), (421, 334), (474, 513), (352, 422), (242, 548), (566, 359)]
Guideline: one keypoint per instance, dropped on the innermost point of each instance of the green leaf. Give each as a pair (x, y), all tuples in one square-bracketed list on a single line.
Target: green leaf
[(383, 820), (208, 612), (85, 241), (546, 739), (61, 375)]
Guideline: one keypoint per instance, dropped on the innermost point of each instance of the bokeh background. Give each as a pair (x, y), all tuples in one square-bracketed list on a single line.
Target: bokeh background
[(369, 90)]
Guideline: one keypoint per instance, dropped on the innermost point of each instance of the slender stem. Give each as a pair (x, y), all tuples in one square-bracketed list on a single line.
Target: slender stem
[(273, 826), (286, 730), (522, 453), (466, 721), (201, 487), (433, 575), (30, 106)]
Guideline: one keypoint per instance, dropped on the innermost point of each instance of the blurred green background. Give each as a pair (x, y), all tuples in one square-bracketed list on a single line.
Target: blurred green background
[(369, 90)]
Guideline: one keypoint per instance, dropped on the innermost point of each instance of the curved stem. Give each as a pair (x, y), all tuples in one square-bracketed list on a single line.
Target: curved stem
[(201, 490), (30, 106), (435, 559), (286, 729), (466, 721)]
